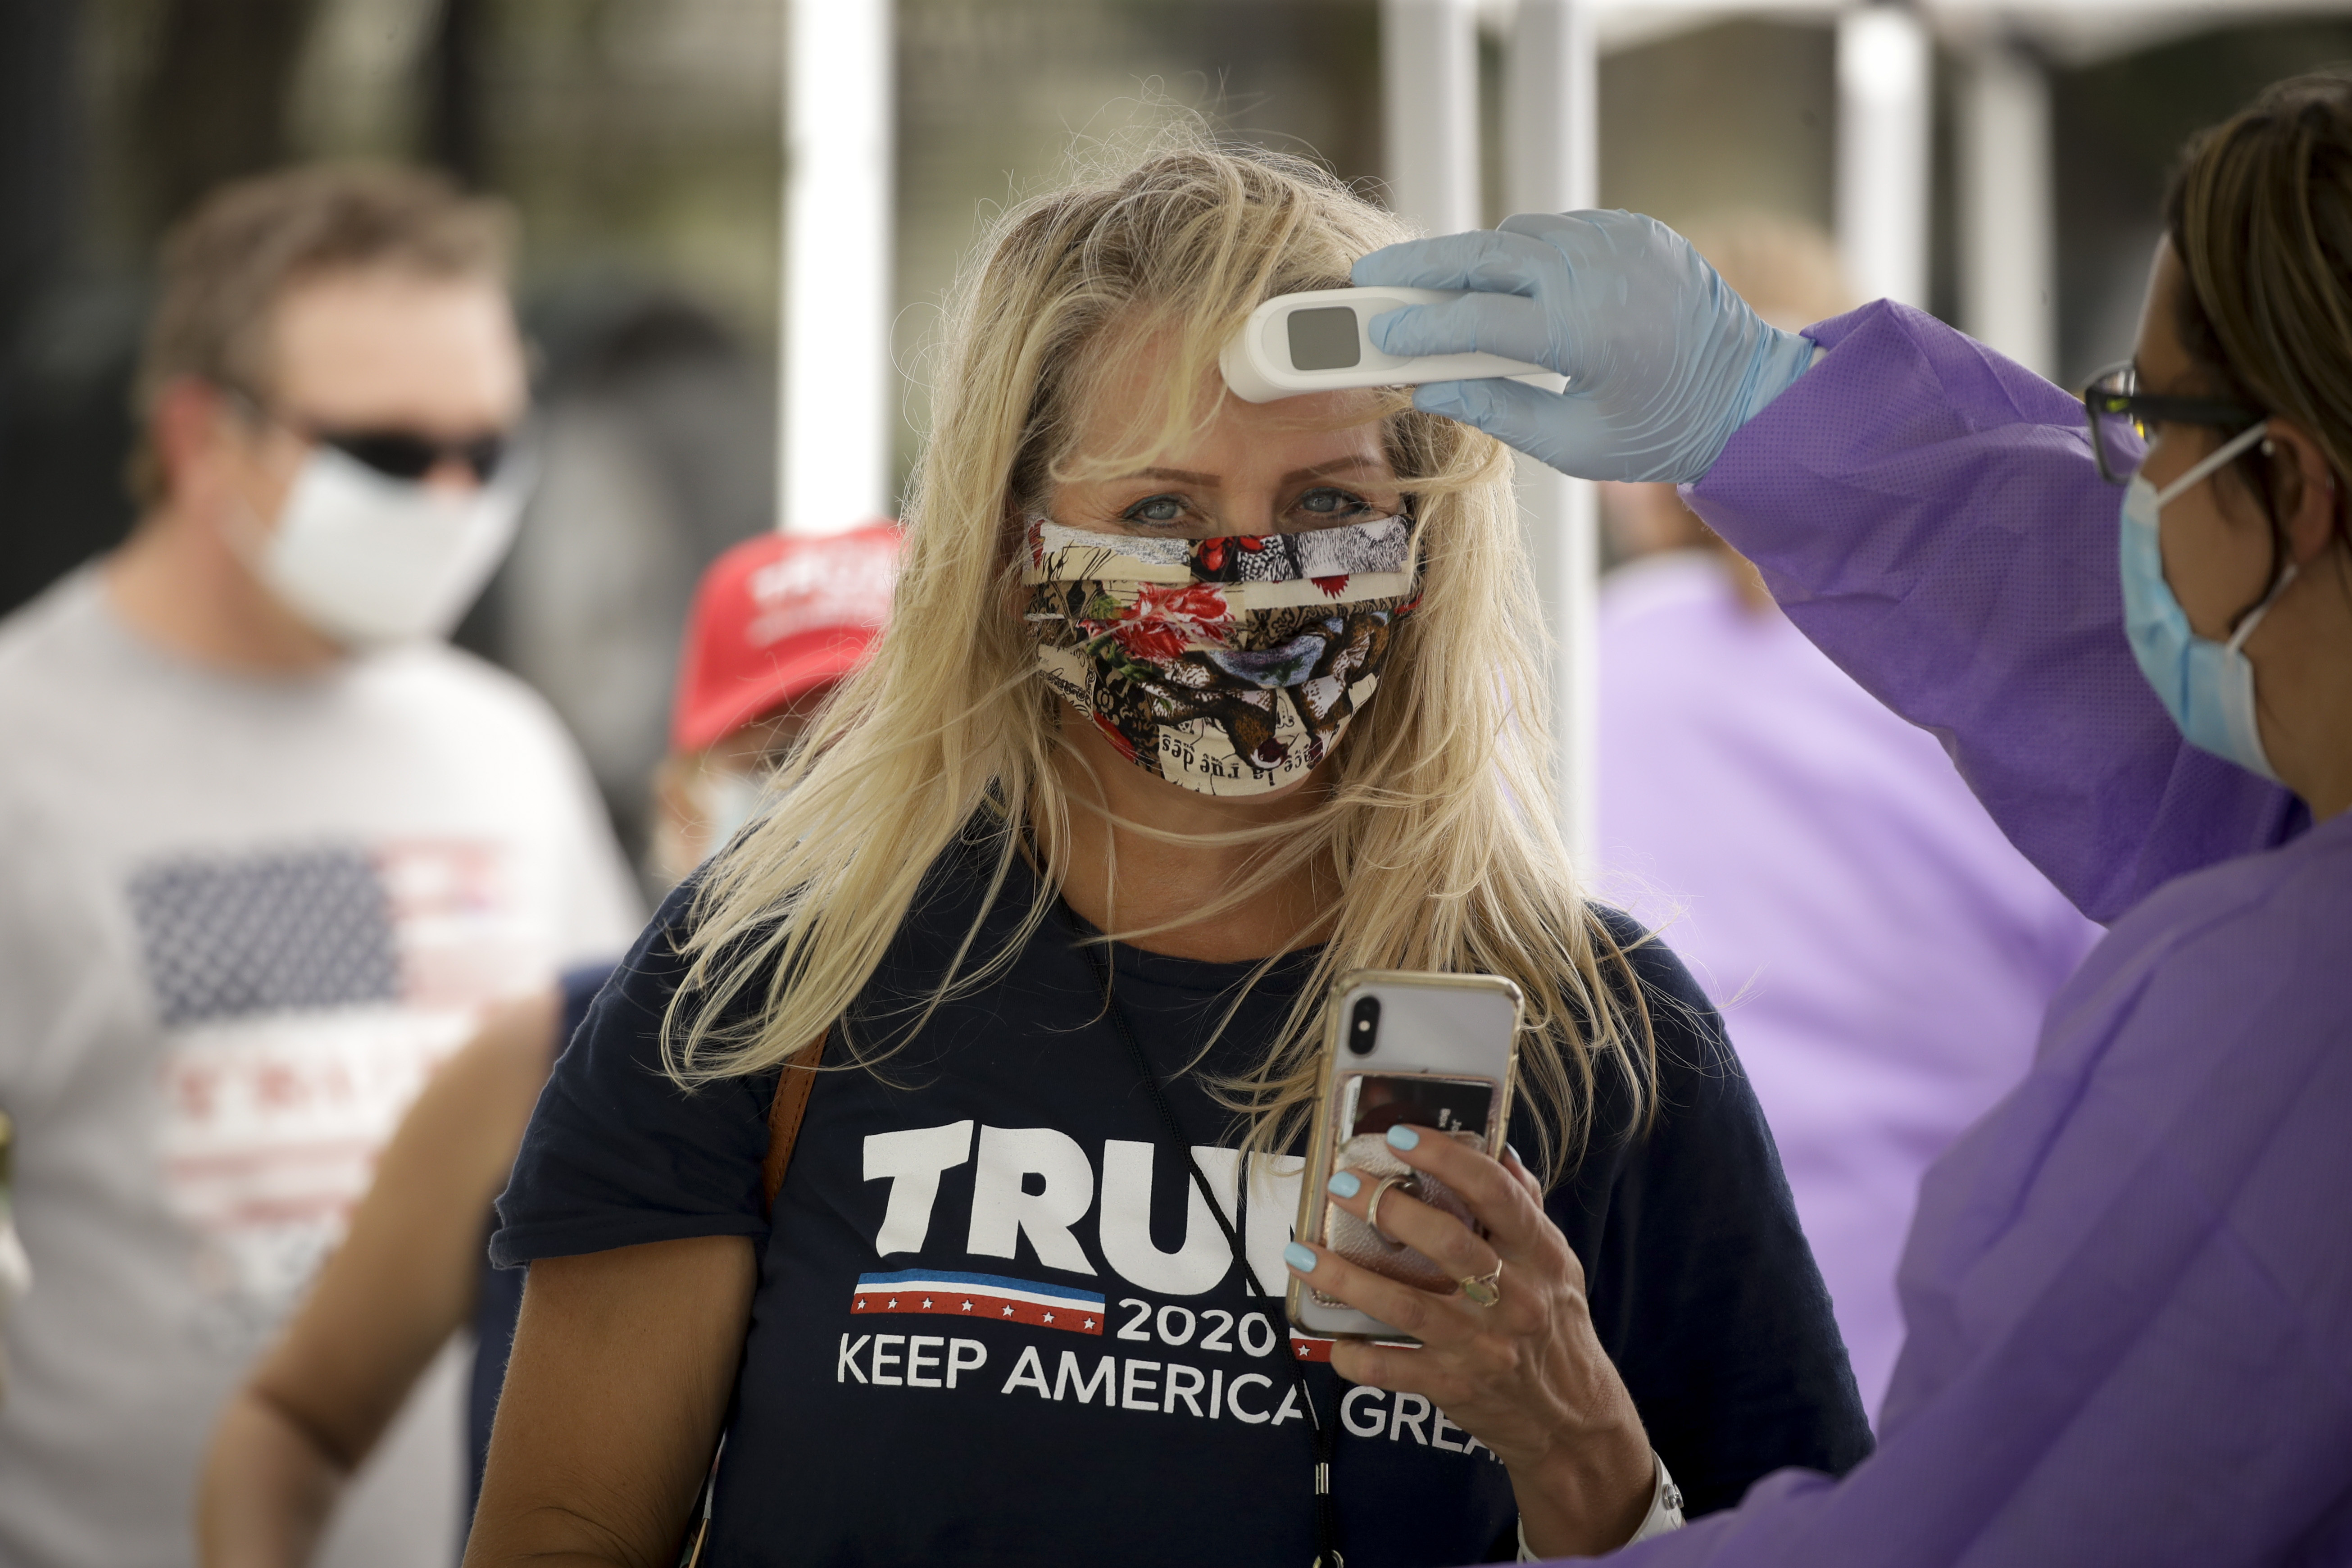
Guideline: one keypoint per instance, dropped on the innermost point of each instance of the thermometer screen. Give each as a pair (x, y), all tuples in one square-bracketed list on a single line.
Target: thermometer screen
[(1325, 338)]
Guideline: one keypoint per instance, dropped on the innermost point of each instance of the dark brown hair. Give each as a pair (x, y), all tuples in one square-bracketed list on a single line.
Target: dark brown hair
[(2260, 215), (226, 265)]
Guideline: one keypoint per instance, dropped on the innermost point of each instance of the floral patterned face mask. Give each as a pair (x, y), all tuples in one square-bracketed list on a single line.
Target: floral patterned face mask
[(1229, 665)]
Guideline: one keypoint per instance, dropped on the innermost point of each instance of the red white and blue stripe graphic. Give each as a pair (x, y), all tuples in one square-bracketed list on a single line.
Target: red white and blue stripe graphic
[(942, 1294)]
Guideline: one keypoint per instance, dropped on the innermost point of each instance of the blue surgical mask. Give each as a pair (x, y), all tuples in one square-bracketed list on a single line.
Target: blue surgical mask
[(2207, 686)]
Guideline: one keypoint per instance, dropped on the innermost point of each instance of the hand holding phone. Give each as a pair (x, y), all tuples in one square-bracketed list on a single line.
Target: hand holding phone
[(1402, 1050), (1418, 1078)]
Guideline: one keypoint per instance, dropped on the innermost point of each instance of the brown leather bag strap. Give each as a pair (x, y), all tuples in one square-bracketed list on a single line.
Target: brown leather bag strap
[(784, 1114)]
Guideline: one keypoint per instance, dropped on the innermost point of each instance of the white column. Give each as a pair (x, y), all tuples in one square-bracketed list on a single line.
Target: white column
[(1885, 88), (2009, 252), (839, 389), (1552, 107), (1429, 112)]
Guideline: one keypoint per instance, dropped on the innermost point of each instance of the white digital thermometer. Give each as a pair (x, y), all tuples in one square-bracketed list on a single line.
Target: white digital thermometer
[(1319, 341)]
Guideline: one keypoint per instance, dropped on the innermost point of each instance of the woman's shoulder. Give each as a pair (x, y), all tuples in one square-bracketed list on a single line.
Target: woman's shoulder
[(1656, 992)]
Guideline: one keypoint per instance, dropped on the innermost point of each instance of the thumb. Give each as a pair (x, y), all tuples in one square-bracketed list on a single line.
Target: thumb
[(1553, 427)]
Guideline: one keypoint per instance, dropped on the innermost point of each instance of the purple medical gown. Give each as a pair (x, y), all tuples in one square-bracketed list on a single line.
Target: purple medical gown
[(2129, 1287), (1883, 956)]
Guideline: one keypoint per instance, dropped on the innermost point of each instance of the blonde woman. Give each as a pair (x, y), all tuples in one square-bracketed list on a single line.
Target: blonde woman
[(1250, 689)]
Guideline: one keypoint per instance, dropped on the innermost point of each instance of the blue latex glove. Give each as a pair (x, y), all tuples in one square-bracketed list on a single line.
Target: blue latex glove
[(1663, 360)]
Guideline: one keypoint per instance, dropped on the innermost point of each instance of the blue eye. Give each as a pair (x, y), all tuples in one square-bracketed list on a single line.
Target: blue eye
[(1160, 510), (1327, 502)]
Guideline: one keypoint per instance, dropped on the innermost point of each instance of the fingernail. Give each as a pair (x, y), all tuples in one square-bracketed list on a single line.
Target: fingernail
[(1403, 1137), (1515, 1155), (1344, 1185), (1300, 1258)]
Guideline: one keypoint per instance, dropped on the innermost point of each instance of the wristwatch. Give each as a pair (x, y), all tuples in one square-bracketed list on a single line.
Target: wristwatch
[(1665, 1512)]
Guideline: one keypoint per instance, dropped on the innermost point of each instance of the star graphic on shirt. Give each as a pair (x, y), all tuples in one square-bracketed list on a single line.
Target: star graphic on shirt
[(1049, 1317), (1008, 1311), (894, 1301), (860, 1303), (967, 1306), (1302, 1347), (927, 1300), (1090, 1323)]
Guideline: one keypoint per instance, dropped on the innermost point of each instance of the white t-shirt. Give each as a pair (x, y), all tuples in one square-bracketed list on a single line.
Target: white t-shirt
[(240, 919)]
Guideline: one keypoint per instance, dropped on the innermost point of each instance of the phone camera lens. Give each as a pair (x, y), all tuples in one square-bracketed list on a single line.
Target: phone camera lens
[(1364, 1024)]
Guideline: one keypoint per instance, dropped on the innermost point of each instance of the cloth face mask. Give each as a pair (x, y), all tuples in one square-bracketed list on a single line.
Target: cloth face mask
[(2207, 686), (1230, 666), (371, 560)]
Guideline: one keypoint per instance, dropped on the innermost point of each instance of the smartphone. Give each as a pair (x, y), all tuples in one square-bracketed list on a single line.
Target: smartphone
[(1434, 1050)]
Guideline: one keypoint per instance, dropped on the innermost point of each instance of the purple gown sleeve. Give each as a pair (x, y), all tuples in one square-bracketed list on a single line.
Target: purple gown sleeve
[(1930, 514)]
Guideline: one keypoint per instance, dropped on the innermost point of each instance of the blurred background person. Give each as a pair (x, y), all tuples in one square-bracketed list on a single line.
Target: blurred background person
[(273, 848), (1883, 955), (776, 622)]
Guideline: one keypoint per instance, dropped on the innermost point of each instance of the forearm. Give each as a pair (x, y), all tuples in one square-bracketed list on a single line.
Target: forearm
[(269, 1489), (1930, 516)]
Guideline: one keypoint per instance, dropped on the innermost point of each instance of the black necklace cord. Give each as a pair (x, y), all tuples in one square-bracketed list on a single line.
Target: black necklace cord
[(1326, 1517)]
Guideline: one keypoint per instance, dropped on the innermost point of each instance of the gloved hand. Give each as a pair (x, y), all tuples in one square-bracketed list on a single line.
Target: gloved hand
[(1663, 360)]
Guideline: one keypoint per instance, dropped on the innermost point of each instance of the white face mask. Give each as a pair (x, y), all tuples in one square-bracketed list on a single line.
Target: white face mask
[(725, 801), (371, 560), (718, 801)]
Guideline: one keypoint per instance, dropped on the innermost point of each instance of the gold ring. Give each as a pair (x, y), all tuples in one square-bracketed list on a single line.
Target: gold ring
[(1484, 1290), (1372, 1209)]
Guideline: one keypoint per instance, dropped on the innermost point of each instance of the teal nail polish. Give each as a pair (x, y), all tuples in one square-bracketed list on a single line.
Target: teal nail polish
[(1344, 1185), (1403, 1137), (1300, 1258)]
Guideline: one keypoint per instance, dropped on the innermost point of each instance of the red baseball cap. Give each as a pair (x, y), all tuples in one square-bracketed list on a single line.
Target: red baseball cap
[(778, 617)]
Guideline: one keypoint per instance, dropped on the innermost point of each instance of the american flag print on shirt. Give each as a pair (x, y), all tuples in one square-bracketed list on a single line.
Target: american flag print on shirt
[(944, 1294), (306, 992)]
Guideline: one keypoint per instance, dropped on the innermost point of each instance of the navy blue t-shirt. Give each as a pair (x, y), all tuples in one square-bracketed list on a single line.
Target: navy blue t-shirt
[(995, 1322)]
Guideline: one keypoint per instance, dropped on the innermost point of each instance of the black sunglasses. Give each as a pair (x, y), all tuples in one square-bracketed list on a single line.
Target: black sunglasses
[(405, 455), (2120, 413), (396, 454)]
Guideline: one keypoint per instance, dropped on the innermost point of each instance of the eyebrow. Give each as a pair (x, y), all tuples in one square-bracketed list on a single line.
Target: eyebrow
[(1217, 481)]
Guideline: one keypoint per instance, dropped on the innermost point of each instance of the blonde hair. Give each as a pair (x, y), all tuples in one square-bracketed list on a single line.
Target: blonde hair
[(1439, 818)]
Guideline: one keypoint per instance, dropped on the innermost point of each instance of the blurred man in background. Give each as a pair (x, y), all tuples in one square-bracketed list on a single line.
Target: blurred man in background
[(272, 848), (777, 622), (1835, 882)]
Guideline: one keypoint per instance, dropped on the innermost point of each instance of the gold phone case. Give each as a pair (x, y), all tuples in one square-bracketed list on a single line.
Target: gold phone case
[(1309, 1315)]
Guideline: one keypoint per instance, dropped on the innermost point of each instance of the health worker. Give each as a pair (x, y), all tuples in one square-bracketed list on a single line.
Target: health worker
[(2126, 1289)]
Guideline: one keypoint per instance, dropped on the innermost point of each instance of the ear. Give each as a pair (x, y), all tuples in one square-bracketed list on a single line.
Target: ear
[(2310, 493), (191, 426)]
